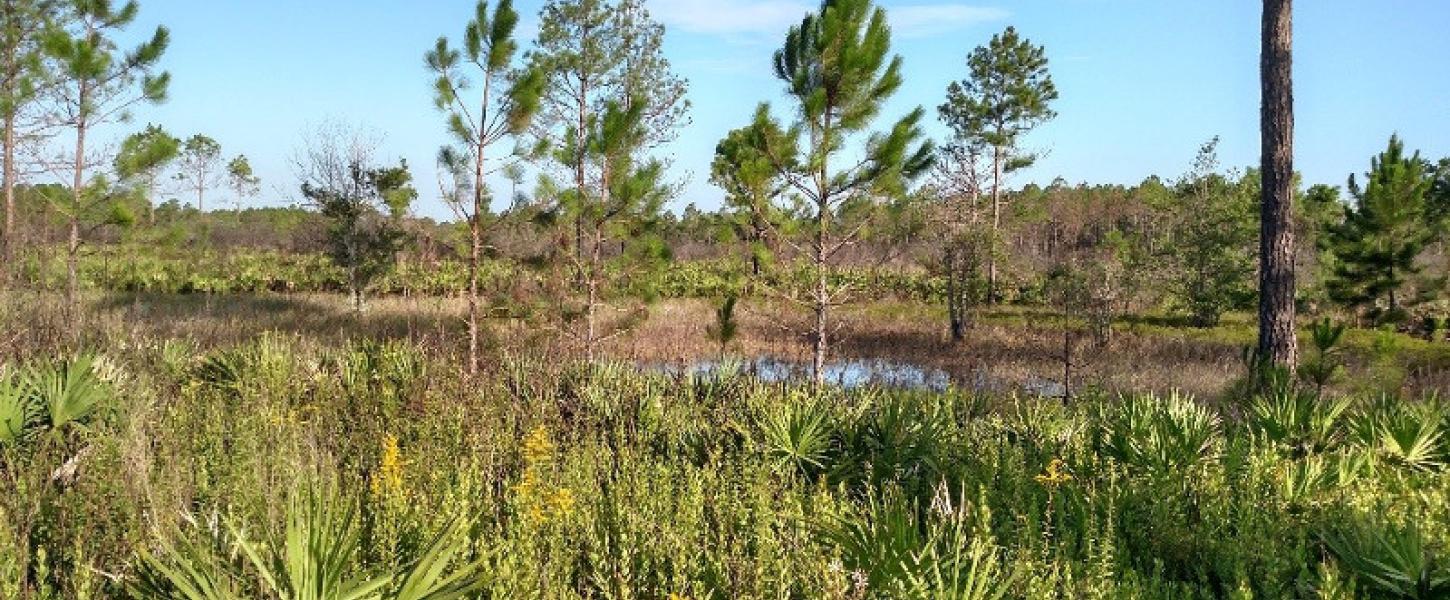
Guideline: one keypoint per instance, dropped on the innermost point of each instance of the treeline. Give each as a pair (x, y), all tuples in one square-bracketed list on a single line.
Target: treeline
[(825, 183)]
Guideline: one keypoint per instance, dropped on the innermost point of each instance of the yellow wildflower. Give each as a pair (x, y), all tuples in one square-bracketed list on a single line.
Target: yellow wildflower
[(538, 448), (562, 502), (1055, 475), (388, 479), (539, 501)]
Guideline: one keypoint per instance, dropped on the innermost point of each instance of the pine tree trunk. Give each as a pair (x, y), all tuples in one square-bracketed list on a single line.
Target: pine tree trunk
[(73, 247), (579, 175), (956, 307), (475, 245), (818, 360), (475, 230), (1277, 342), (9, 182), (823, 219), (996, 225)]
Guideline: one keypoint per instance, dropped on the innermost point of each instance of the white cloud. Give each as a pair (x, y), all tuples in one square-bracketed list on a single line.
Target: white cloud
[(927, 20)]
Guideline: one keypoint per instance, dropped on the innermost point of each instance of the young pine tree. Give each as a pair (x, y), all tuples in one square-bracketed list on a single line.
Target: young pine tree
[(751, 184), (1382, 235), (500, 109), (364, 209), (627, 213), (141, 160), (837, 68), (99, 84), (610, 98)]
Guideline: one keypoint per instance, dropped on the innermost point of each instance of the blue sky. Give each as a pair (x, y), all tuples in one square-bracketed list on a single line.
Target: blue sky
[(1143, 82)]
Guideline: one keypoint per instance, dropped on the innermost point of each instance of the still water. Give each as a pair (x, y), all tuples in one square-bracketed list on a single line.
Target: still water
[(856, 373)]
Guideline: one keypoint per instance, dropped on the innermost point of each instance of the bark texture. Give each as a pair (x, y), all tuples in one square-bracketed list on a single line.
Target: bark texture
[(1277, 342)]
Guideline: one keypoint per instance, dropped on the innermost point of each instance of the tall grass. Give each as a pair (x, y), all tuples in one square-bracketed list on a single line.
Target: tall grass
[(373, 470)]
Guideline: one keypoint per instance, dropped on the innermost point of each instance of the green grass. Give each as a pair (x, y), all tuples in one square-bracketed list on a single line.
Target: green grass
[(562, 480)]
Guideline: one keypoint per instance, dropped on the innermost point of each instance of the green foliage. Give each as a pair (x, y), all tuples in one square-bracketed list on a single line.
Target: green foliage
[(1007, 93), (1325, 364), (1395, 561), (603, 479), (50, 397), (796, 436), (725, 328), (1382, 235), (241, 179), (145, 153), (364, 212), (1161, 436), (316, 559), (18, 411), (835, 67), (1212, 257), (1299, 422), (903, 551)]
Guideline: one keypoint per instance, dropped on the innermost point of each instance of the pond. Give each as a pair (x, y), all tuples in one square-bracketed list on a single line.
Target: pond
[(868, 372)]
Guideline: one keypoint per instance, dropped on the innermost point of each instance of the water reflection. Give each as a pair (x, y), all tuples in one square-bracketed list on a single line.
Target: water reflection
[(856, 373)]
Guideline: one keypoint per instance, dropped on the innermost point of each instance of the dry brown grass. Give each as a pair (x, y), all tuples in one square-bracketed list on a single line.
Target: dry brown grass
[(1012, 345)]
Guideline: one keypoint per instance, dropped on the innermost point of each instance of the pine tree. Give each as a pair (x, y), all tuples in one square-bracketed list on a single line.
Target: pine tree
[(1007, 94), (242, 181), (610, 99), (1278, 344), (836, 69), (99, 84), (1383, 233), (23, 78), (501, 108), (200, 167), (143, 157), (751, 184), (594, 52)]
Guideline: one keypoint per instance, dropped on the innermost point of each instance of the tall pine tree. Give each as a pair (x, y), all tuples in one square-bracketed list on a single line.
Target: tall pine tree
[(99, 84), (1006, 94), (1278, 343)]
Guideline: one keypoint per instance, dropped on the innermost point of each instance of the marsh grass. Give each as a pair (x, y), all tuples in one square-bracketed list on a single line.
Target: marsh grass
[(566, 479)]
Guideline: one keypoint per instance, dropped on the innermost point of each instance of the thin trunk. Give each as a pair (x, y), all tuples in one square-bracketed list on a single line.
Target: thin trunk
[(823, 219), (151, 200), (955, 304), (818, 362), (9, 183), (473, 255), (996, 225), (1066, 365), (1277, 342), (475, 230), (591, 282), (592, 335), (579, 138), (73, 248)]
